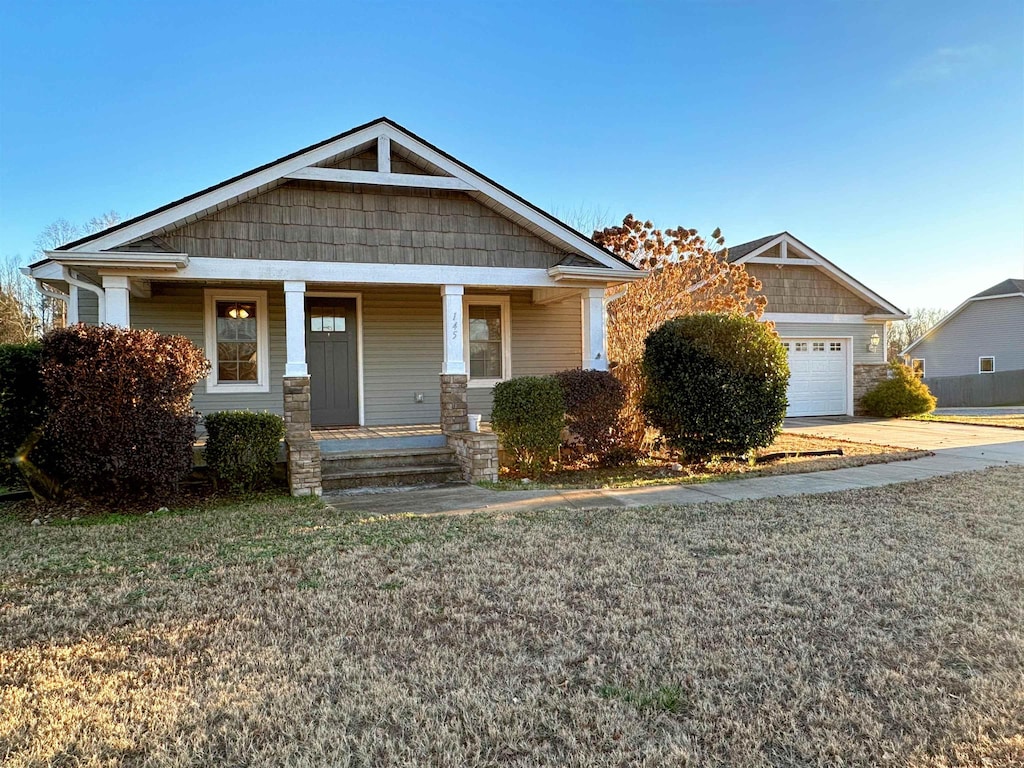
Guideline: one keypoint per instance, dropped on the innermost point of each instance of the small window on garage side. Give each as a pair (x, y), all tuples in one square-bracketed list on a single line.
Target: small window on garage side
[(835, 346), (917, 366), (986, 365), (237, 341)]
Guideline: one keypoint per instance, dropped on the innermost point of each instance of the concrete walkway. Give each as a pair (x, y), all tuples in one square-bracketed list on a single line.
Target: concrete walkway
[(957, 448)]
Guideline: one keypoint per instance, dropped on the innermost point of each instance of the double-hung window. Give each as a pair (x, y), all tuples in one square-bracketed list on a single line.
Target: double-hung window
[(237, 341), (487, 339)]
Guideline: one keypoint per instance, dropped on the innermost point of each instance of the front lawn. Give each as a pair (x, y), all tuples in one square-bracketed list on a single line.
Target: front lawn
[(879, 627)]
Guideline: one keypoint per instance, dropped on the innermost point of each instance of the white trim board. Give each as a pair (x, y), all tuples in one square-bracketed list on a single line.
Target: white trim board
[(815, 259), (360, 392), (488, 192), (209, 268), (810, 317)]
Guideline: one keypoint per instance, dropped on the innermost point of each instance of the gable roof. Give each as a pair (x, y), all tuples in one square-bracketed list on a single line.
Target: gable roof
[(751, 251), (237, 188), (1006, 289), (737, 252)]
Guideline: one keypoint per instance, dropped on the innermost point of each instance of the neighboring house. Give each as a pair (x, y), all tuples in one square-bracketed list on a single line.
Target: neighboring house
[(369, 280), (974, 356), (833, 327), (985, 334)]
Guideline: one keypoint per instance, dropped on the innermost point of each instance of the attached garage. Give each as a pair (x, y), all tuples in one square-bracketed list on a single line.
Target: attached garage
[(820, 373)]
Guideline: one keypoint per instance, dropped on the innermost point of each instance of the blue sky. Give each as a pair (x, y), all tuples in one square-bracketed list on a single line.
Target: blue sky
[(887, 135)]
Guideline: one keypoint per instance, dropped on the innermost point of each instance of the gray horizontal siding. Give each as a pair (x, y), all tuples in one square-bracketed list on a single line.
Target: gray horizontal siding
[(993, 327), (402, 355), (545, 338), (88, 307), (402, 347), (178, 309), (861, 333)]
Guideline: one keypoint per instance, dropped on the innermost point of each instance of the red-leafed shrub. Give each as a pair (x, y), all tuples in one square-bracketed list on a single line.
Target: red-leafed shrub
[(593, 403), (120, 408)]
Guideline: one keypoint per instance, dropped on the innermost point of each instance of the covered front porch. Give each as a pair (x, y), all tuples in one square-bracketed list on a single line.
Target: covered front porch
[(356, 367)]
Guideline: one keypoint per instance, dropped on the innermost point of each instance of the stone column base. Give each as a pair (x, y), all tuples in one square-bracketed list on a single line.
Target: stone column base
[(866, 376), (454, 403), (302, 450), (477, 453)]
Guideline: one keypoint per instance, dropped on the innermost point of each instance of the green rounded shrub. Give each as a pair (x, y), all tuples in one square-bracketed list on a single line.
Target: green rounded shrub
[(716, 384), (242, 448), (593, 402), (528, 417), (903, 394)]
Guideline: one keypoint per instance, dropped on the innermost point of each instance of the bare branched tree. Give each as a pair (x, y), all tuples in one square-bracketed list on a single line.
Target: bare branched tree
[(23, 307), (19, 321), (902, 333), (584, 218)]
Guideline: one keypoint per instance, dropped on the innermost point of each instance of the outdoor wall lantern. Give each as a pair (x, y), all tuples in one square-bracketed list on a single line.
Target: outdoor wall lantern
[(874, 342)]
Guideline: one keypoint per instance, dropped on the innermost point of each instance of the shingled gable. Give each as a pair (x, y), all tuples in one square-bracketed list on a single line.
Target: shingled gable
[(784, 249), (411, 162)]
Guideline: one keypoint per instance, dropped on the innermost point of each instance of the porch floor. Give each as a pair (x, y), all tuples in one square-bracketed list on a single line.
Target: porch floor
[(374, 433)]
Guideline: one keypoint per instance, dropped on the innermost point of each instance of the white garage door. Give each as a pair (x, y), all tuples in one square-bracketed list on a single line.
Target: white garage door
[(818, 376)]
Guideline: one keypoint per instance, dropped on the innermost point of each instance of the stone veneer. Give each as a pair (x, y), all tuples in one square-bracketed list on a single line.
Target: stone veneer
[(303, 451), (454, 403), (477, 453), (865, 377)]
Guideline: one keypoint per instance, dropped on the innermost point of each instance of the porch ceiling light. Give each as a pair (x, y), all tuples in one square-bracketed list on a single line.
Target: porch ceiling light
[(874, 342)]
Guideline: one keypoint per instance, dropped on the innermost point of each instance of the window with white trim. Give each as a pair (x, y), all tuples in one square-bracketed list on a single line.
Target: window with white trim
[(917, 366), (986, 364), (237, 341), (801, 346), (818, 346), (487, 339), (835, 346)]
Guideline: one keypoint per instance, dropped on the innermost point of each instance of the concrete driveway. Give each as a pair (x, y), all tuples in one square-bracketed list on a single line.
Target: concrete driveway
[(964, 440)]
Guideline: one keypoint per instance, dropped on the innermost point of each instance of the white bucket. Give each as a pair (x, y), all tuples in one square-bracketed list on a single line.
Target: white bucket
[(474, 422)]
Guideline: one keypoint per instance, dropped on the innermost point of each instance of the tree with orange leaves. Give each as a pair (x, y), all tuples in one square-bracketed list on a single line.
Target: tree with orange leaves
[(687, 274)]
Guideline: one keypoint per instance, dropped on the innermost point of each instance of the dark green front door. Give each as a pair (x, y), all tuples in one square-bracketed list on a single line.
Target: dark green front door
[(332, 356)]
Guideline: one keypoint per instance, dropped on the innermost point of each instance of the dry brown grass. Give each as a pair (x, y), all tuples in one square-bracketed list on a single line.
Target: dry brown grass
[(657, 470), (878, 627)]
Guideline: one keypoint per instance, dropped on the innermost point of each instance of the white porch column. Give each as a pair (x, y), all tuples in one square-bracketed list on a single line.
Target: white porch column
[(595, 352), (72, 311), (295, 328), (454, 358), (115, 290)]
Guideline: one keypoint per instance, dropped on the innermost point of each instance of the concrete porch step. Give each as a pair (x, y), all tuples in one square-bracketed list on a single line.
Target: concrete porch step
[(333, 462), (371, 467), (425, 474)]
